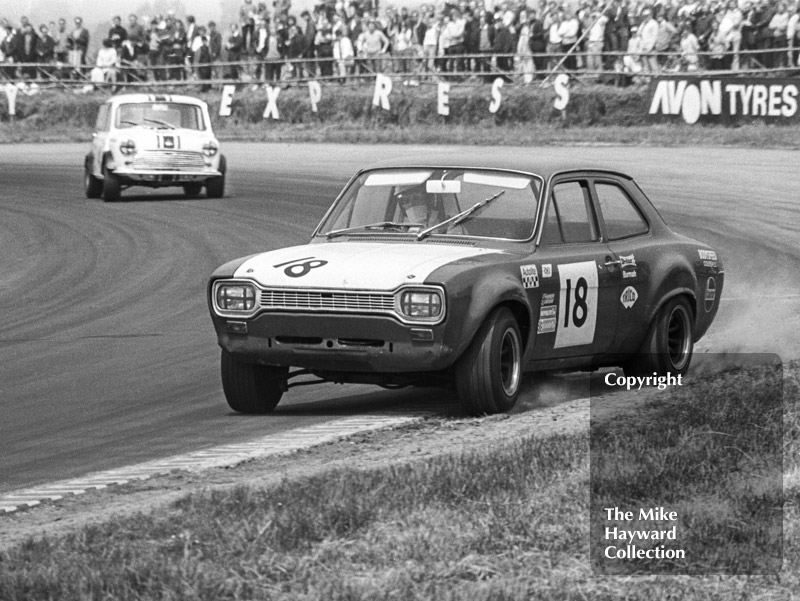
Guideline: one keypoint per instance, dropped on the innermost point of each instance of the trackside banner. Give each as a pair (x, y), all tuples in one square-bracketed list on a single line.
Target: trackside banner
[(723, 99)]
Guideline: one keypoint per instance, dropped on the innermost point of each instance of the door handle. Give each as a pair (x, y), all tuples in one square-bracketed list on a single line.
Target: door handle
[(616, 262)]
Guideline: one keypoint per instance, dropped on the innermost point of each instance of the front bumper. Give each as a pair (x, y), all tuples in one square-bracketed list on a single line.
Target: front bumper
[(164, 177), (335, 343)]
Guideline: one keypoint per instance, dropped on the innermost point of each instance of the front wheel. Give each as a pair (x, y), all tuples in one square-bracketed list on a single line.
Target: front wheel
[(669, 343), (489, 374), (112, 189), (91, 185), (249, 388), (215, 187), (192, 190)]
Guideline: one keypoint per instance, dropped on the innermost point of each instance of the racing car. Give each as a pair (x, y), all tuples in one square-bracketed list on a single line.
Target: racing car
[(465, 277), (153, 140)]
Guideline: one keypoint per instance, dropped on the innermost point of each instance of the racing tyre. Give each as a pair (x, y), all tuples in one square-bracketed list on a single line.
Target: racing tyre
[(669, 343), (192, 190), (253, 389), (215, 187), (111, 187), (489, 374), (91, 185)]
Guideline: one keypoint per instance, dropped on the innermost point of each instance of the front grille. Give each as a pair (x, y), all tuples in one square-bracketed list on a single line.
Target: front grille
[(168, 160), (311, 300)]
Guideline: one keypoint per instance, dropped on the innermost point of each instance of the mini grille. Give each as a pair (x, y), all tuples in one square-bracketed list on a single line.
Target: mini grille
[(168, 160), (357, 302)]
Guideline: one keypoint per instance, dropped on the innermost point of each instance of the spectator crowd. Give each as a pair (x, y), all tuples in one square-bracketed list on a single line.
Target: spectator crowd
[(522, 39)]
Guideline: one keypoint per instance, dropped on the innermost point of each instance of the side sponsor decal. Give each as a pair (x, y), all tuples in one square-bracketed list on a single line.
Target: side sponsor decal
[(711, 294), (628, 274), (547, 325), (577, 304), (708, 257), (530, 276), (547, 270), (627, 261), (629, 296), (548, 298)]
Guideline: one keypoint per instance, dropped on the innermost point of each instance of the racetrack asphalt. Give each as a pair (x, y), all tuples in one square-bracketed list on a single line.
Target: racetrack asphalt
[(107, 353)]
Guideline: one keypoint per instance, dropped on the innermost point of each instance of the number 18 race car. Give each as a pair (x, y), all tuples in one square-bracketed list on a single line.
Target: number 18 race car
[(465, 277)]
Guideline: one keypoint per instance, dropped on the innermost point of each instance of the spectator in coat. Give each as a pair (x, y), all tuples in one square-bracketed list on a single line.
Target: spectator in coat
[(204, 60), (538, 43), (234, 48), (28, 51), (78, 44), (648, 33), (117, 34), (46, 48)]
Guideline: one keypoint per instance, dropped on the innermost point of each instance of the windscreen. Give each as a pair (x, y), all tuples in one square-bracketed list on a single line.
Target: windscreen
[(401, 201), (157, 115)]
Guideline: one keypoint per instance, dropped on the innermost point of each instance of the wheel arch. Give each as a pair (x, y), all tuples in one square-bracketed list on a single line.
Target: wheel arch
[(513, 299)]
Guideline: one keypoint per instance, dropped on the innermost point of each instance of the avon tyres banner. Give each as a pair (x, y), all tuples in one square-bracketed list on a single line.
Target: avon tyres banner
[(723, 99)]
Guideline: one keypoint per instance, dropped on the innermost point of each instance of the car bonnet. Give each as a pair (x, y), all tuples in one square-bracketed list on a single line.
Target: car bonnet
[(353, 265)]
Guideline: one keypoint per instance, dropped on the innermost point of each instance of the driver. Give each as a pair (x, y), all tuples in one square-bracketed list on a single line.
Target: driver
[(415, 207), (420, 208)]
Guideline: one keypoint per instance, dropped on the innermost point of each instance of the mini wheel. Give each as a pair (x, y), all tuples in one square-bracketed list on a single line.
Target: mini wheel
[(669, 343), (489, 374), (91, 185), (215, 187), (112, 189), (250, 388), (192, 190)]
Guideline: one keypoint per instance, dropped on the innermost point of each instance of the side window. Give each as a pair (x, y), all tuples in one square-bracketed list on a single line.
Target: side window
[(102, 118), (621, 216), (570, 218)]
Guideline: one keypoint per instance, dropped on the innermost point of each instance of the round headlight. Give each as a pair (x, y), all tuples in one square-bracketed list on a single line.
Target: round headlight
[(127, 146), (210, 148)]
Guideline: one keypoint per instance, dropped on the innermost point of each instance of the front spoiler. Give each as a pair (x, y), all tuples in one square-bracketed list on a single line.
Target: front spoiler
[(335, 343)]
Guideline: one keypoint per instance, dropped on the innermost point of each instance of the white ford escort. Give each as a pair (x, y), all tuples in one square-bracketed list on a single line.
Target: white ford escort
[(155, 141)]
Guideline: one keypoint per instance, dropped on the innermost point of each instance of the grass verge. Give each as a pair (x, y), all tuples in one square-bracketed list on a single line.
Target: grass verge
[(507, 523), (596, 115)]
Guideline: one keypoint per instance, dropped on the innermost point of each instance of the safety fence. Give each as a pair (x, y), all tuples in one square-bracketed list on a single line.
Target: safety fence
[(620, 68)]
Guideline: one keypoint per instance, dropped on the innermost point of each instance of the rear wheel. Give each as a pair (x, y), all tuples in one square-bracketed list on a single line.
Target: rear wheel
[(489, 374), (91, 185), (112, 189), (669, 343), (250, 388)]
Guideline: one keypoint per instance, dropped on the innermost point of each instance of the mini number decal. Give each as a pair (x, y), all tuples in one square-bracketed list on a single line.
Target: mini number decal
[(577, 304), (297, 268)]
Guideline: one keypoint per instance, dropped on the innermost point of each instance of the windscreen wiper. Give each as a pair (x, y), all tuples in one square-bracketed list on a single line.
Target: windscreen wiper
[(382, 225), (160, 122), (462, 216)]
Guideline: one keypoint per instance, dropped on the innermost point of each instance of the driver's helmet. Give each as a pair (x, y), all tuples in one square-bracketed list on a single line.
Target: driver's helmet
[(414, 203)]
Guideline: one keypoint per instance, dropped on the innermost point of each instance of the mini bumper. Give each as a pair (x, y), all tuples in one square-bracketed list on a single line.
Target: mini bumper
[(164, 175), (339, 343)]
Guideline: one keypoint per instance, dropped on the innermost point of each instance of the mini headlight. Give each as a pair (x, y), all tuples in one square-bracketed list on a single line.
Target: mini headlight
[(127, 146), (236, 297), (210, 148), (421, 304)]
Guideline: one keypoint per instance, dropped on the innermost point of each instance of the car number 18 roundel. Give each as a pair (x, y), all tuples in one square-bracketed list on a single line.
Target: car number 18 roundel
[(577, 304)]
